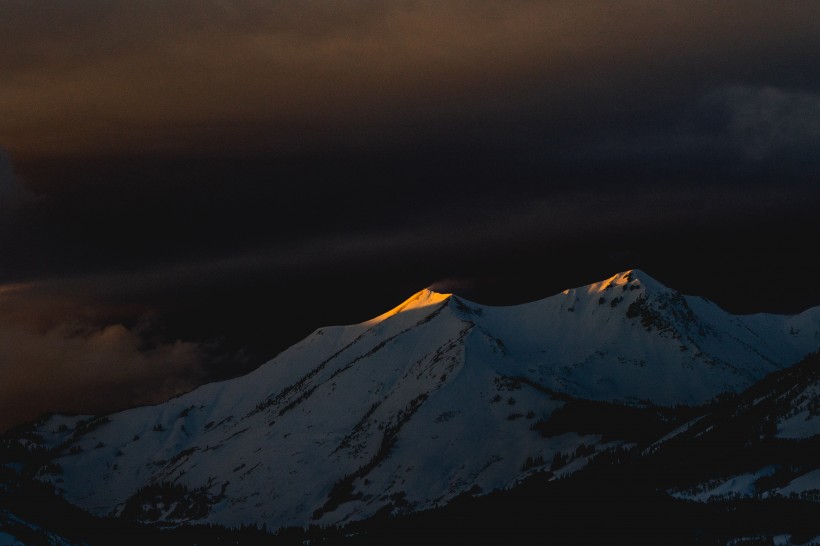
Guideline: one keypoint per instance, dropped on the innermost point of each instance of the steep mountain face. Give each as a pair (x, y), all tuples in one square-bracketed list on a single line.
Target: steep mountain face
[(434, 399)]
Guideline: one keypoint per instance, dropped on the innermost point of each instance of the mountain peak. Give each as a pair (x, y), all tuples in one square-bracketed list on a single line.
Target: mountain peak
[(421, 299), (631, 277)]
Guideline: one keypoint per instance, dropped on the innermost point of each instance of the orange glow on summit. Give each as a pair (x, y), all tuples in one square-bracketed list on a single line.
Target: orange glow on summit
[(419, 300)]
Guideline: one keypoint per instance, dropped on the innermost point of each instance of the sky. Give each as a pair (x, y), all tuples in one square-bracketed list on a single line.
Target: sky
[(188, 187)]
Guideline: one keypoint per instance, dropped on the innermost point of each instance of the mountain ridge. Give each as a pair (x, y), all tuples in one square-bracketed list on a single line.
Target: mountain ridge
[(433, 399)]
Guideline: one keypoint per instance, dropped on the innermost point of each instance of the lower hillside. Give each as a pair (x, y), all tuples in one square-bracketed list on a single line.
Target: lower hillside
[(665, 483)]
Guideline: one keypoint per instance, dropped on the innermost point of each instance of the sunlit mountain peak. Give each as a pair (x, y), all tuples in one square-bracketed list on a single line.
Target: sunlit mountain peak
[(631, 277), (422, 298)]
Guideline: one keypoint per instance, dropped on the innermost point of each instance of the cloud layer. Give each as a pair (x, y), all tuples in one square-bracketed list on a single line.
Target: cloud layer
[(94, 77), (51, 362)]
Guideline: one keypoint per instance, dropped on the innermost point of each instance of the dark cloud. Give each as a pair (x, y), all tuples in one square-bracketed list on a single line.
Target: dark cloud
[(51, 360), (14, 196), (770, 121), (107, 77)]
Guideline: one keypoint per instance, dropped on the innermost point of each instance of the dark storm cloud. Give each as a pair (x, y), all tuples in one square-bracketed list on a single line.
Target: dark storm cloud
[(95, 77), (428, 241)]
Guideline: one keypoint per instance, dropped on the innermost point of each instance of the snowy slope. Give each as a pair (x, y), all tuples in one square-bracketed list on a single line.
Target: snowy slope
[(269, 447), (18, 532), (630, 338), (433, 399), (771, 435)]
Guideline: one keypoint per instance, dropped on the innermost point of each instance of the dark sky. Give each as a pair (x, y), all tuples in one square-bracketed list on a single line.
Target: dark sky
[(188, 187)]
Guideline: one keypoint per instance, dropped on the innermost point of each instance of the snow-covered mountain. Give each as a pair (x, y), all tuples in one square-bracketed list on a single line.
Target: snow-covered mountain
[(436, 398)]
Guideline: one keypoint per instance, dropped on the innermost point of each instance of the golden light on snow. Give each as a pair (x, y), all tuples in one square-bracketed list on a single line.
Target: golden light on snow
[(419, 300), (616, 280)]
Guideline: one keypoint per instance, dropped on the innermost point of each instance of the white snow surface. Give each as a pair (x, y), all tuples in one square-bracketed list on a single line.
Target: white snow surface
[(11, 526), (739, 486), (806, 485), (416, 406), (803, 421)]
